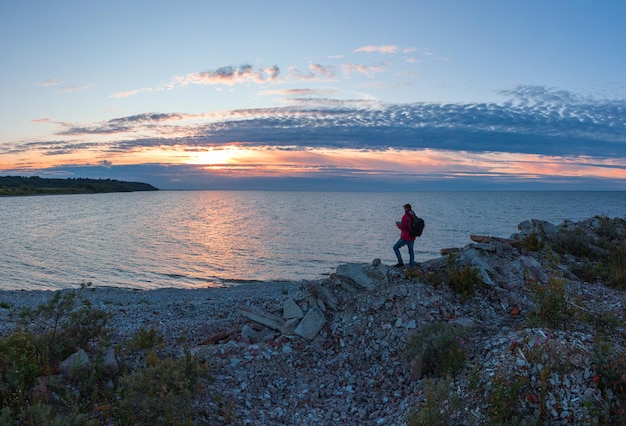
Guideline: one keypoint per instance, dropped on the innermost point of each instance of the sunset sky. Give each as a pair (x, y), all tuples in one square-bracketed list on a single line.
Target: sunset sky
[(325, 95)]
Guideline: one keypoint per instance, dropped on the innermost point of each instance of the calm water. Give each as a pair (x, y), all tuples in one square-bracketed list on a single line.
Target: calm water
[(208, 238)]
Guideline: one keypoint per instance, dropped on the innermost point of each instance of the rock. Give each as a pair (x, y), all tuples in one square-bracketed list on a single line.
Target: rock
[(291, 309), (262, 317), (410, 324), (76, 364), (353, 273), (541, 228), (249, 334), (311, 324), (324, 294), (450, 250), (110, 361)]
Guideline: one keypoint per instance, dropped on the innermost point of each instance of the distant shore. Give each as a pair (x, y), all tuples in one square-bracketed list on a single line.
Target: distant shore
[(11, 186)]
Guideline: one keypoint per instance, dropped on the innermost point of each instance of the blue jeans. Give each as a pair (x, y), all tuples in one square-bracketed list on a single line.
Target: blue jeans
[(401, 243)]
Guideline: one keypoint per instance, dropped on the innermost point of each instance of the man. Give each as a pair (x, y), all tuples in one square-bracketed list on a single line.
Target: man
[(405, 236)]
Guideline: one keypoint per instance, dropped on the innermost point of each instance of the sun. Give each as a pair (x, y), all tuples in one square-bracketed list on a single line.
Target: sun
[(221, 155)]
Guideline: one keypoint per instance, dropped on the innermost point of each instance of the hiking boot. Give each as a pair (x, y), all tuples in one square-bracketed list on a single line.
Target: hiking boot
[(398, 265)]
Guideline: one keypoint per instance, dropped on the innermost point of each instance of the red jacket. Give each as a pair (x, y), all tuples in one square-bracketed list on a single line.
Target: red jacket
[(405, 226)]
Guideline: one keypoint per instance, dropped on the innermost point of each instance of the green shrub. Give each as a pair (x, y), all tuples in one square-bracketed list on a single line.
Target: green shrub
[(609, 228), (46, 321), (31, 393), (532, 242), (574, 241), (146, 339), (437, 349), (20, 364), (504, 400), (550, 303), (610, 365), (86, 326), (463, 281), (413, 272), (162, 393), (45, 415), (440, 406), (602, 255), (61, 325), (616, 266)]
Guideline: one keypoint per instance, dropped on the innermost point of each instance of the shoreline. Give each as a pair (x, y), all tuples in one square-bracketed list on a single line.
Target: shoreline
[(178, 309)]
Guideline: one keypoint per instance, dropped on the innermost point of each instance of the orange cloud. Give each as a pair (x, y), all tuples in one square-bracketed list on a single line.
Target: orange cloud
[(237, 159), (421, 162)]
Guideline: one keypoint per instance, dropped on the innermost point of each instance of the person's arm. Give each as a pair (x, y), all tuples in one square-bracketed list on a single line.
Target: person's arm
[(406, 222)]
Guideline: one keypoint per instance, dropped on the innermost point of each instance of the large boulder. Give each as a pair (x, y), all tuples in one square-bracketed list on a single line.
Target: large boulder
[(76, 364), (354, 274), (539, 227)]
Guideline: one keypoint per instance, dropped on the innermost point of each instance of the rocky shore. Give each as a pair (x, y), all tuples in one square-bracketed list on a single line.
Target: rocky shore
[(334, 351)]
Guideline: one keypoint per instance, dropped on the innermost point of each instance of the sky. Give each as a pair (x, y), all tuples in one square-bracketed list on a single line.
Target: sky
[(328, 95)]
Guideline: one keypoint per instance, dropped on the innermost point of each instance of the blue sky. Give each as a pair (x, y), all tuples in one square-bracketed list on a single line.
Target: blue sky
[(395, 95)]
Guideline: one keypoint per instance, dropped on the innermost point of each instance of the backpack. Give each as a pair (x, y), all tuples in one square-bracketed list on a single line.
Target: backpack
[(417, 226)]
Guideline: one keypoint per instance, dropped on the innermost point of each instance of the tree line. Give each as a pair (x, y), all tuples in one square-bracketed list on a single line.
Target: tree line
[(35, 185)]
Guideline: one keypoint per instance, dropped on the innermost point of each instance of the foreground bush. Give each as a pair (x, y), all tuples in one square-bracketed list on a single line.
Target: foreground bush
[(149, 389), (601, 251), (437, 350)]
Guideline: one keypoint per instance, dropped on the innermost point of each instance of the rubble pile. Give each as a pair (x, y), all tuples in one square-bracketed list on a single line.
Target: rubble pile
[(335, 351)]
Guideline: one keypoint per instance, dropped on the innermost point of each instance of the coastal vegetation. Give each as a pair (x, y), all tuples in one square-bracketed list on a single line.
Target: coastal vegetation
[(596, 254), (35, 185), (44, 379)]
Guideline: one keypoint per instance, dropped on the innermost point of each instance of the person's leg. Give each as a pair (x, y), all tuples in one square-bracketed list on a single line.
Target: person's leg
[(411, 253), (396, 249)]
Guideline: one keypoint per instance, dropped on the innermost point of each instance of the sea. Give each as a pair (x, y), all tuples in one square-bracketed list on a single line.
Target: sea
[(197, 239)]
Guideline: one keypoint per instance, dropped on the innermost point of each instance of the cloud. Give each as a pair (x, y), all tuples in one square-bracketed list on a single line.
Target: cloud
[(152, 117), (385, 50), (329, 178), (528, 95), (567, 125), (325, 71), (368, 70), (316, 72), (125, 124), (230, 75), (234, 75), (132, 92), (48, 83), (68, 89), (227, 75), (536, 133), (299, 92), (64, 89)]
